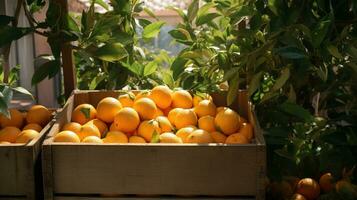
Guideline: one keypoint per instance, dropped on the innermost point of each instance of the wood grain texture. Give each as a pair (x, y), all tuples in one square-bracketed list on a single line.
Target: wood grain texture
[(153, 198)]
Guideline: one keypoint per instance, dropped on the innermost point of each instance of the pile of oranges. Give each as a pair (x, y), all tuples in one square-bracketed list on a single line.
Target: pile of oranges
[(156, 116), (22, 127)]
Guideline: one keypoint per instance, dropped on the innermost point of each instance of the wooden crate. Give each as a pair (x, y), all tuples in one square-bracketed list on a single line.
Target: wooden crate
[(20, 169), (84, 171)]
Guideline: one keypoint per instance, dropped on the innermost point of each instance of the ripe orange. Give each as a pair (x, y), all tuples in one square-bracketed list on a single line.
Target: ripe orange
[(345, 188), (159, 112), (198, 98), (169, 137), (172, 115), (246, 129), (237, 138), (205, 107), (26, 136), (84, 113), (72, 126), (88, 130), (16, 119), (185, 117), (182, 99), (218, 137), (38, 115), (146, 108), (199, 136), (127, 120), (309, 188), (207, 123), (142, 94), (113, 127), (219, 109), (164, 124), (184, 132), (66, 136), (298, 197), (102, 127), (227, 121), (166, 111), (127, 100), (35, 127), (115, 137), (107, 108), (92, 139), (326, 182), (162, 96), (9, 134), (136, 139), (147, 128)]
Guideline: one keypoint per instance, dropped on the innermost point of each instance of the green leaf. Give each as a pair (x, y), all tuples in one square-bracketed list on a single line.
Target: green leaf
[(121, 6), (178, 66), (179, 12), (53, 14), (86, 112), (152, 30), (233, 90), (102, 3), (111, 52), (150, 68), (5, 20), (22, 91), (3, 106), (240, 12), (136, 68), (144, 22), (155, 137), (291, 52), (319, 34), (334, 51), (280, 82), (9, 34), (203, 19), (72, 24), (180, 34), (150, 13), (168, 79), (47, 69), (231, 73), (296, 110), (192, 10), (254, 83)]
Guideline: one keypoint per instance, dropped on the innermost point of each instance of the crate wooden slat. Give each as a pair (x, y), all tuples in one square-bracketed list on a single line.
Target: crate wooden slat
[(152, 169), (153, 198)]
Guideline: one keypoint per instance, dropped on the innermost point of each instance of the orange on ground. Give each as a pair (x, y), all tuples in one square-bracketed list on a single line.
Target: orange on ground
[(72, 126), (146, 108), (127, 120), (9, 134), (136, 139), (207, 123), (169, 137), (236, 138), (66, 136), (309, 188), (246, 129), (227, 121), (162, 96), (172, 115), (199, 136), (298, 197), (115, 137), (102, 127), (26, 136), (83, 113), (185, 117), (92, 139), (184, 132), (164, 124), (218, 137), (142, 94), (38, 115), (16, 119), (147, 128), (88, 130), (198, 98), (205, 107), (107, 108), (326, 182), (182, 99), (35, 127), (127, 100)]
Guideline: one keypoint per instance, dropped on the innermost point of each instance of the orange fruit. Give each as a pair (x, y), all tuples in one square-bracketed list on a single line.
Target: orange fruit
[(236, 138), (9, 134), (88, 130), (92, 139), (38, 115), (182, 99), (127, 120), (84, 113), (198, 98), (127, 100), (26, 136), (146, 108), (185, 117), (246, 129), (207, 123), (159, 112), (4, 142), (113, 127), (72, 126), (169, 137), (142, 94), (16, 119), (147, 128), (227, 121), (298, 197), (172, 115), (199, 136), (166, 111), (184, 132), (309, 188), (66, 136), (218, 137), (243, 120), (136, 139), (164, 124), (205, 107), (102, 127), (107, 108), (326, 182), (345, 188), (162, 96), (116, 137), (219, 109), (35, 127), (292, 180), (280, 190)]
